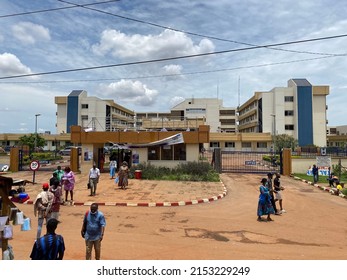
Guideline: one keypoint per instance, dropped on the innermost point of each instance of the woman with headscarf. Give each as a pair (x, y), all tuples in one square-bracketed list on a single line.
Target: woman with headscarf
[(123, 175), (68, 181), (264, 204)]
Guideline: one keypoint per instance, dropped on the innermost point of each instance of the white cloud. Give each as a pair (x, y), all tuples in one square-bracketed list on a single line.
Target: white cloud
[(11, 65), (173, 71), (30, 33), (167, 44), (135, 93)]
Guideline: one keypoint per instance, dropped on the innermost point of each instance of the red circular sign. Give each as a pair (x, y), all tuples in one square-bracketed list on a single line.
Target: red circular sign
[(34, 165)]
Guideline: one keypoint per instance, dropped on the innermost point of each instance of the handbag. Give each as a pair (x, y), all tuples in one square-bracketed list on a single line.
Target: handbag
[(26, 224), (8, 232), (116, 180), (19, 219), (3, 221), (88, 185)]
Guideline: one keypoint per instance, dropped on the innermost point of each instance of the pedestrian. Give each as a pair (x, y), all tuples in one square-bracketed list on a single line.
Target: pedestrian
[(43, 207), (94, 175), (123, 175), (113, 168), (60, 173), (272, 191), (51, 246), (315, 173), (278, 188), (339, 188), (264, 203), (54, 179), (68, 181), (56, 189), (92, 231)]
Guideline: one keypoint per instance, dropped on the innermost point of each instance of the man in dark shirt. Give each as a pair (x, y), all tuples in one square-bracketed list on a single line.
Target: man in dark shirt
[(50, 246)]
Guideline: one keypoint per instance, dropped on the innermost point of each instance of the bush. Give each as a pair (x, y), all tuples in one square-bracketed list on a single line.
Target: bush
[(189, 171)]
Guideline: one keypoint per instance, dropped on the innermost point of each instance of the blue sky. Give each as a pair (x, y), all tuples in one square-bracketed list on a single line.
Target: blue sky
[(122, 33)]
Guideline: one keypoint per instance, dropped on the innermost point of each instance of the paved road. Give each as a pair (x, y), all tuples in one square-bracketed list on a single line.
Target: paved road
[(314, 227)]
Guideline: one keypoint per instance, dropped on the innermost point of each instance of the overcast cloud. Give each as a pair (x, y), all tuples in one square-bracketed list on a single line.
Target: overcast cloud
[(145, 30)]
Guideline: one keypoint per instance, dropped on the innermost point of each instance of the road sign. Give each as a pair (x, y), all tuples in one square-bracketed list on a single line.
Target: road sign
[(34, 165)]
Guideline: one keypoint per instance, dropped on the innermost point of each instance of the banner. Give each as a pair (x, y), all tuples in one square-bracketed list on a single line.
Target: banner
[(172, 140)]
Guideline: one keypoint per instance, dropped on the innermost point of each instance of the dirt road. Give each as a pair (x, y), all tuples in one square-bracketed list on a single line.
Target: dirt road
[(314, 227)]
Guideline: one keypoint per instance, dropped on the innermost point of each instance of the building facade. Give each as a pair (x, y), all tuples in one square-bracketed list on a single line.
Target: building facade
[(298, 110), (91, 113)]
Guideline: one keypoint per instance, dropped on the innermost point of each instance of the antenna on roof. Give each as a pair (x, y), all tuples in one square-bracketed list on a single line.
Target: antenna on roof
[(238, 90)]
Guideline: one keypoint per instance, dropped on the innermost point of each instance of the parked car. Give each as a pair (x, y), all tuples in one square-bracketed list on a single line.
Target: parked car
[(67, 151)]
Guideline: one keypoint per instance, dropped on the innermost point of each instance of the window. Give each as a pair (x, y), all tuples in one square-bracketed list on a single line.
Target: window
[(166, 152), (214, 144), (84, 117), (289, 113), (289, 99), (180, 152), (246, 144), (84, 106), (289, 127), (261, 145), (154, 153), (229, 144), (196, 110), (227, 112), (227, 122)]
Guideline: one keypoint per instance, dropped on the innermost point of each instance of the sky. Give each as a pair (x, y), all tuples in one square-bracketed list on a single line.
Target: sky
[(150, 55)]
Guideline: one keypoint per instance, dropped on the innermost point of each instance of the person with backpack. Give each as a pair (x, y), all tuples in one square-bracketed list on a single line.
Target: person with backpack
[(92, 231), (43, 207)]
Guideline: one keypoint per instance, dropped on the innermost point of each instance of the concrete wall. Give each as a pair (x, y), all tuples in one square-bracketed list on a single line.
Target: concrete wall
[(301, 165)]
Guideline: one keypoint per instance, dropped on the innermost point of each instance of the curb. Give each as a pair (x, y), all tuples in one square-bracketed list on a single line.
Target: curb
[(327, 189), (152, 204)]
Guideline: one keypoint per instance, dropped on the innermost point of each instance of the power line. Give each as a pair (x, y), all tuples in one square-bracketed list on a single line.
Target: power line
[(188, 32), (175, 58), (57, 9), (87, 6), (170, 75)]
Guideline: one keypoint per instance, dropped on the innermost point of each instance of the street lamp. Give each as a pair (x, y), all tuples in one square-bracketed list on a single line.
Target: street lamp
[(274, 130), (36, 115)]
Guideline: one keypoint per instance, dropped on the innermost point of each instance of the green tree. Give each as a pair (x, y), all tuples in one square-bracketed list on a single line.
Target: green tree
[(30, 141), (284, 141)]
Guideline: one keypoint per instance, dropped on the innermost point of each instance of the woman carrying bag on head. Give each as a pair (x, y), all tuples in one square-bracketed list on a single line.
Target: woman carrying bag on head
[(123, 175)]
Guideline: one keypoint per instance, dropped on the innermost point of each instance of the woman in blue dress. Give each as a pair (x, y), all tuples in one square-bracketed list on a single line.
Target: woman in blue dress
[(264, 204)]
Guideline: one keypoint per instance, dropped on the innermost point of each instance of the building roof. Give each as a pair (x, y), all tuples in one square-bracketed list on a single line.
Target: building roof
[(75, 92), (302, 82)]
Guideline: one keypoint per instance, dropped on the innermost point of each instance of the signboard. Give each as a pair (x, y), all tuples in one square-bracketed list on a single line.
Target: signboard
[(34, 165), (250, 162)]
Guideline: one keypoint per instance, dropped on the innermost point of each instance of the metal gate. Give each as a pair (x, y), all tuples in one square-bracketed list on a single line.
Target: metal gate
[(250, 162)]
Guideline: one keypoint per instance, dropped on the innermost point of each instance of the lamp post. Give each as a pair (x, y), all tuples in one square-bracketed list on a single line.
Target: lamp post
[(35, 143), (273, 130)]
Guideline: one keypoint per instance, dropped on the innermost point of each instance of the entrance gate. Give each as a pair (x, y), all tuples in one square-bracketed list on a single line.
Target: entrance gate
[(250, 162)]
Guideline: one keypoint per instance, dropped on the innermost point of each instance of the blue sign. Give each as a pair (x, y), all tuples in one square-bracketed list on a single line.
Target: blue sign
[(250, 162)]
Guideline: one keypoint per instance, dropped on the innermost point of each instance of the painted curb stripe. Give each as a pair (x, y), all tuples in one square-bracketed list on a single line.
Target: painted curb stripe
[(152, 204)]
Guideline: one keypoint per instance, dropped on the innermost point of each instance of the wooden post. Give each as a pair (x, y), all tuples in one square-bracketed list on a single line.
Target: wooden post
[(5, 187)]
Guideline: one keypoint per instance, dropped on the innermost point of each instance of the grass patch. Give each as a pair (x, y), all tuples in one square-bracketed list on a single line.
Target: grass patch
[(188, 171), (321, 179)]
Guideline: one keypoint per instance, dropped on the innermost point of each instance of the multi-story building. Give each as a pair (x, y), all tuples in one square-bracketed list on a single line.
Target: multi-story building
[(337, 136), (190, 114), (298, 110), (91, 113)]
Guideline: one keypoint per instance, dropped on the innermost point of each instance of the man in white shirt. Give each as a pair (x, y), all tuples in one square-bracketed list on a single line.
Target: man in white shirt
[(94, 174)]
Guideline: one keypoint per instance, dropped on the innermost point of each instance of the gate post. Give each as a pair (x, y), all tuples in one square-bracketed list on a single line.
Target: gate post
[(286, 162), (217, 160)]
